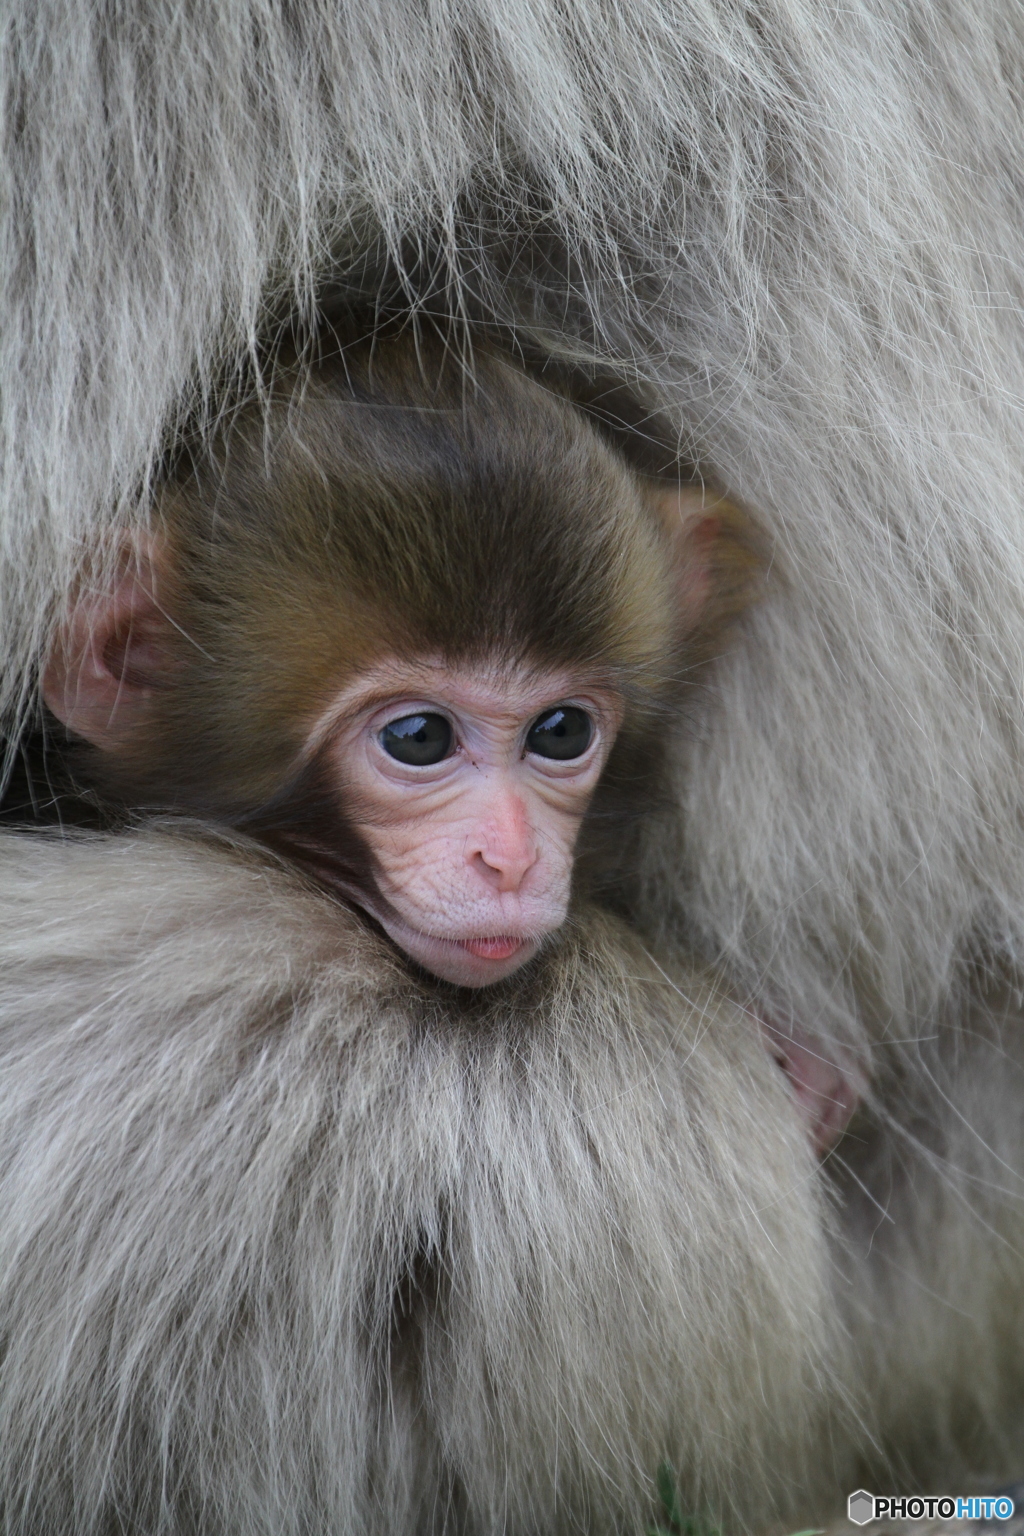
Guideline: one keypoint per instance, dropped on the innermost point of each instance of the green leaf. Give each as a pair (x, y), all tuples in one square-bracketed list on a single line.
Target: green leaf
[(669, 1497)]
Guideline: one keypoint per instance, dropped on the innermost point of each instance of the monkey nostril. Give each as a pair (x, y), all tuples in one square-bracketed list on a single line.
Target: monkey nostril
[(505, 871)]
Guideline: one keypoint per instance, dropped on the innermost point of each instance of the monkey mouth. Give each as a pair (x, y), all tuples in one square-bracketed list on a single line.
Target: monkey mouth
[(472, 962), (500, 946), (469, 962)]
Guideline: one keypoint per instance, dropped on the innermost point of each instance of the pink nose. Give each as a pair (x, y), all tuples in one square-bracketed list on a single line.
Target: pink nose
[(505, 849)]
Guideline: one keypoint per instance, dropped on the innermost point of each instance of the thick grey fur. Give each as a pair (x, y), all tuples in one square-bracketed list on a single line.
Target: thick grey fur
[(799, 229)]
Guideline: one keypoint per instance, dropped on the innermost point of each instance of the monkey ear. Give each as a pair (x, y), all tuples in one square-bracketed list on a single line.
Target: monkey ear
[(717, 555), (111, 653)]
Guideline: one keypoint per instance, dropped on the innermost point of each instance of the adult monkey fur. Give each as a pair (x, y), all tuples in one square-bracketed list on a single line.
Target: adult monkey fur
[(797, 234)]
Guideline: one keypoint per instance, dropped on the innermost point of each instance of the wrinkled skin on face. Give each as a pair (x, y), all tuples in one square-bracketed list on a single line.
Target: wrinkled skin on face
[(472, 837)]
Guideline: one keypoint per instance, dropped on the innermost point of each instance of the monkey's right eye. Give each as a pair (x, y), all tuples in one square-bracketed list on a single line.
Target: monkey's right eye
[(418, 740)]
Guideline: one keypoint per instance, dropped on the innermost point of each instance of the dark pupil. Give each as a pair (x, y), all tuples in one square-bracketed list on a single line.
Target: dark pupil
[(563, 733), (417, 739)]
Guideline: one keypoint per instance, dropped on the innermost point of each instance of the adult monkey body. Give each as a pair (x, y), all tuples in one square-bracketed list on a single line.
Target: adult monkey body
[(817, 223), (348, 1260)]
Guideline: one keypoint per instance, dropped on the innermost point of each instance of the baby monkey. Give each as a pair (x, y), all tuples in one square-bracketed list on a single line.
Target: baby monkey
[(400, 626)]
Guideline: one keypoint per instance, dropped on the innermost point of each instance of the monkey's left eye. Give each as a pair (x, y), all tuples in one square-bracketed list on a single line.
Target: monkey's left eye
[(418, 740), (562, 733)]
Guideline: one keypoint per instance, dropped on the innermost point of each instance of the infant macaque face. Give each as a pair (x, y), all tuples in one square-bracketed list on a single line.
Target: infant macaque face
[(468, 785)]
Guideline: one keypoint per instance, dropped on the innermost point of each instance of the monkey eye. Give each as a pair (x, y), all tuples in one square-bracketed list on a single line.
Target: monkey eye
[(562, 733), (418, 740)]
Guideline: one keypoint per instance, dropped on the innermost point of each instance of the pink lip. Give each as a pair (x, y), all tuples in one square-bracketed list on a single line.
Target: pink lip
[(466, 962), (501, 947)]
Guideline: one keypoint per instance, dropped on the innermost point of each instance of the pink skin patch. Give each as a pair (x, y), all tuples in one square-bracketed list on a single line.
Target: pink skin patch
[(472, 848), (826, 1092)]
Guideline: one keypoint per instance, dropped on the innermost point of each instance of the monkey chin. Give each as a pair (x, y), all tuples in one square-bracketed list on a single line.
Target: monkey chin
[(471, 962)]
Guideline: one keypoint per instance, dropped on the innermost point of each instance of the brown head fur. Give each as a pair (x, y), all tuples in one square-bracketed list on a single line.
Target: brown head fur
[(386, 505)]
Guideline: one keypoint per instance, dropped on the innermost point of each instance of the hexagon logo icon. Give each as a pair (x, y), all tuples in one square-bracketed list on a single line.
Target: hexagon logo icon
[(860, 1507)]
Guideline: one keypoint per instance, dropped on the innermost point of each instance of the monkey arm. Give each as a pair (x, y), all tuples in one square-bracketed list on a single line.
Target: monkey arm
[(282, 1223)]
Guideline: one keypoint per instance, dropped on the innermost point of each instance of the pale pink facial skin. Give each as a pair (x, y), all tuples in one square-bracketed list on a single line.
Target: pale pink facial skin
[(474, 853)]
